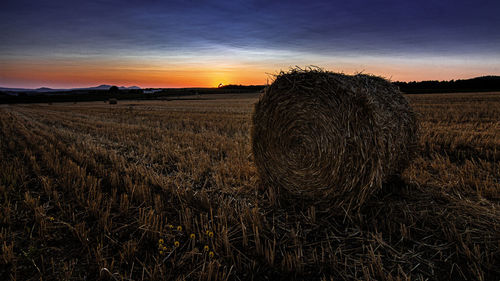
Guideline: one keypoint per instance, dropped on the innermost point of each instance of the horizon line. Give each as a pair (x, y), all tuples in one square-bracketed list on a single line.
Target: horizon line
[(194, 86)]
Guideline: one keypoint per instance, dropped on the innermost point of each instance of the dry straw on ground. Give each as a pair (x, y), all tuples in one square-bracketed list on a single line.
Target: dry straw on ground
[(88, 191), (319, 134)]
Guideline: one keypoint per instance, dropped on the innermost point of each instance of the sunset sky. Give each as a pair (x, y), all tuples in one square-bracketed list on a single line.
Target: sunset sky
[(188, 43)]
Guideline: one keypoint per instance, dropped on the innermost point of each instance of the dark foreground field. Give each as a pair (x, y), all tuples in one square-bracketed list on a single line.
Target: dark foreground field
[(168, 190)]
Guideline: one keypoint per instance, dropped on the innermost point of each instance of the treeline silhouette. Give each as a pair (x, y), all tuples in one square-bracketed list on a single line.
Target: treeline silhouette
[(478, 84), (115, 93), (243, 88), (68, 96)]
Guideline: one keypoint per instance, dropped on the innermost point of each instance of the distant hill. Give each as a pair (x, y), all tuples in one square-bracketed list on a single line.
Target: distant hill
[(478, 84), (48, 90)]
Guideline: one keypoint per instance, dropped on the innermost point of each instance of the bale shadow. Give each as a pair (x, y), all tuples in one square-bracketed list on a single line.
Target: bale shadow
[(403, 231)]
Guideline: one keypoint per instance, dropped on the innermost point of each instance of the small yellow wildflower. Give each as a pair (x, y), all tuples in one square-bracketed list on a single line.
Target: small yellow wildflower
[(51, 218), (210, 234), (177, 243), (207, 232), (192, 236), (211, 254), (206, 248), (164, 248), (179, 228), (160, 241), (161, 252)]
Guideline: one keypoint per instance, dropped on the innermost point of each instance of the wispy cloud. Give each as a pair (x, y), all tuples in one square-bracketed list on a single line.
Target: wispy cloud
[(256, 34)]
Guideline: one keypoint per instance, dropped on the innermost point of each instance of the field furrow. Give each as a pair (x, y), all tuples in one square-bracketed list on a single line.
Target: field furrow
[(157, 190)]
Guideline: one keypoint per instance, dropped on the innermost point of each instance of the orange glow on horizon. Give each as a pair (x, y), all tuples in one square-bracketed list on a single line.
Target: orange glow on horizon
[(84, 76), (41, 74)]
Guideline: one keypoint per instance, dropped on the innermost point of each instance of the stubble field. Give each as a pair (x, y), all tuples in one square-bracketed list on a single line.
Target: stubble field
[(168, 190)]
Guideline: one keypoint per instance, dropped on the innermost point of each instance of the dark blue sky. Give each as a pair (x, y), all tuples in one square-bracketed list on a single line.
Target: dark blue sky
[(429, 39)]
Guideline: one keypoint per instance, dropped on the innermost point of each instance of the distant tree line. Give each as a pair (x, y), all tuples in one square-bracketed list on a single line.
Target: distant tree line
[(68, 96), (114, 92), (478, 84), (249, 88)]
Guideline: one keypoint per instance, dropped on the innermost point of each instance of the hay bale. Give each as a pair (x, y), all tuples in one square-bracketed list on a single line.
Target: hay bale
[(331, 136), (113, 101)]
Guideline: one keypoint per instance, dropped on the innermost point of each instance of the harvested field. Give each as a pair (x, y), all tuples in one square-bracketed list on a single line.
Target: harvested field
[(168, 190)]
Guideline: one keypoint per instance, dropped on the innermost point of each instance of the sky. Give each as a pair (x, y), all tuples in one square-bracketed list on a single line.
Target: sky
[(200, 43)]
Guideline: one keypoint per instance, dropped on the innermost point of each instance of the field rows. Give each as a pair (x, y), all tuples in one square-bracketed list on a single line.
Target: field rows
[(168, 190)]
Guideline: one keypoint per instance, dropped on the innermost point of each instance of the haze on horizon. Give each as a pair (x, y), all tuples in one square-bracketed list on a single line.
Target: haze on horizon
[(182, 43)]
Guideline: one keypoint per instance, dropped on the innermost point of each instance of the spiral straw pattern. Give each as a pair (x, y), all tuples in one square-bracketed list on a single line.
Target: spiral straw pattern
[(331, 136)]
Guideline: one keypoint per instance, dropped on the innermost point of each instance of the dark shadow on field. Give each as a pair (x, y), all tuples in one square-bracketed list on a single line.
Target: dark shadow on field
[(405, 231)]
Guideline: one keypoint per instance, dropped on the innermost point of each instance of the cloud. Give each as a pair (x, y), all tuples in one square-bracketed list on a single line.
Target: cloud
[(316, 26), (259, 34)]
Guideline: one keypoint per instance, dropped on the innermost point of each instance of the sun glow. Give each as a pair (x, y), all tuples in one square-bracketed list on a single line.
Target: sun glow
[(174, 72), (41, 75)]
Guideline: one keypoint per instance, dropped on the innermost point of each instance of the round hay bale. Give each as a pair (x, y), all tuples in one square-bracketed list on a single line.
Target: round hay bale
[(331, 136), (113, 101)]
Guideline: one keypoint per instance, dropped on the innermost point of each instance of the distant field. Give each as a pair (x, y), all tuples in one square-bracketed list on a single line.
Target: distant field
[(168, 190)]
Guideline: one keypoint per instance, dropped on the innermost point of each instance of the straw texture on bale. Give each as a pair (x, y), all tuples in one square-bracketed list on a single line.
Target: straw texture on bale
[(331, 136)]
